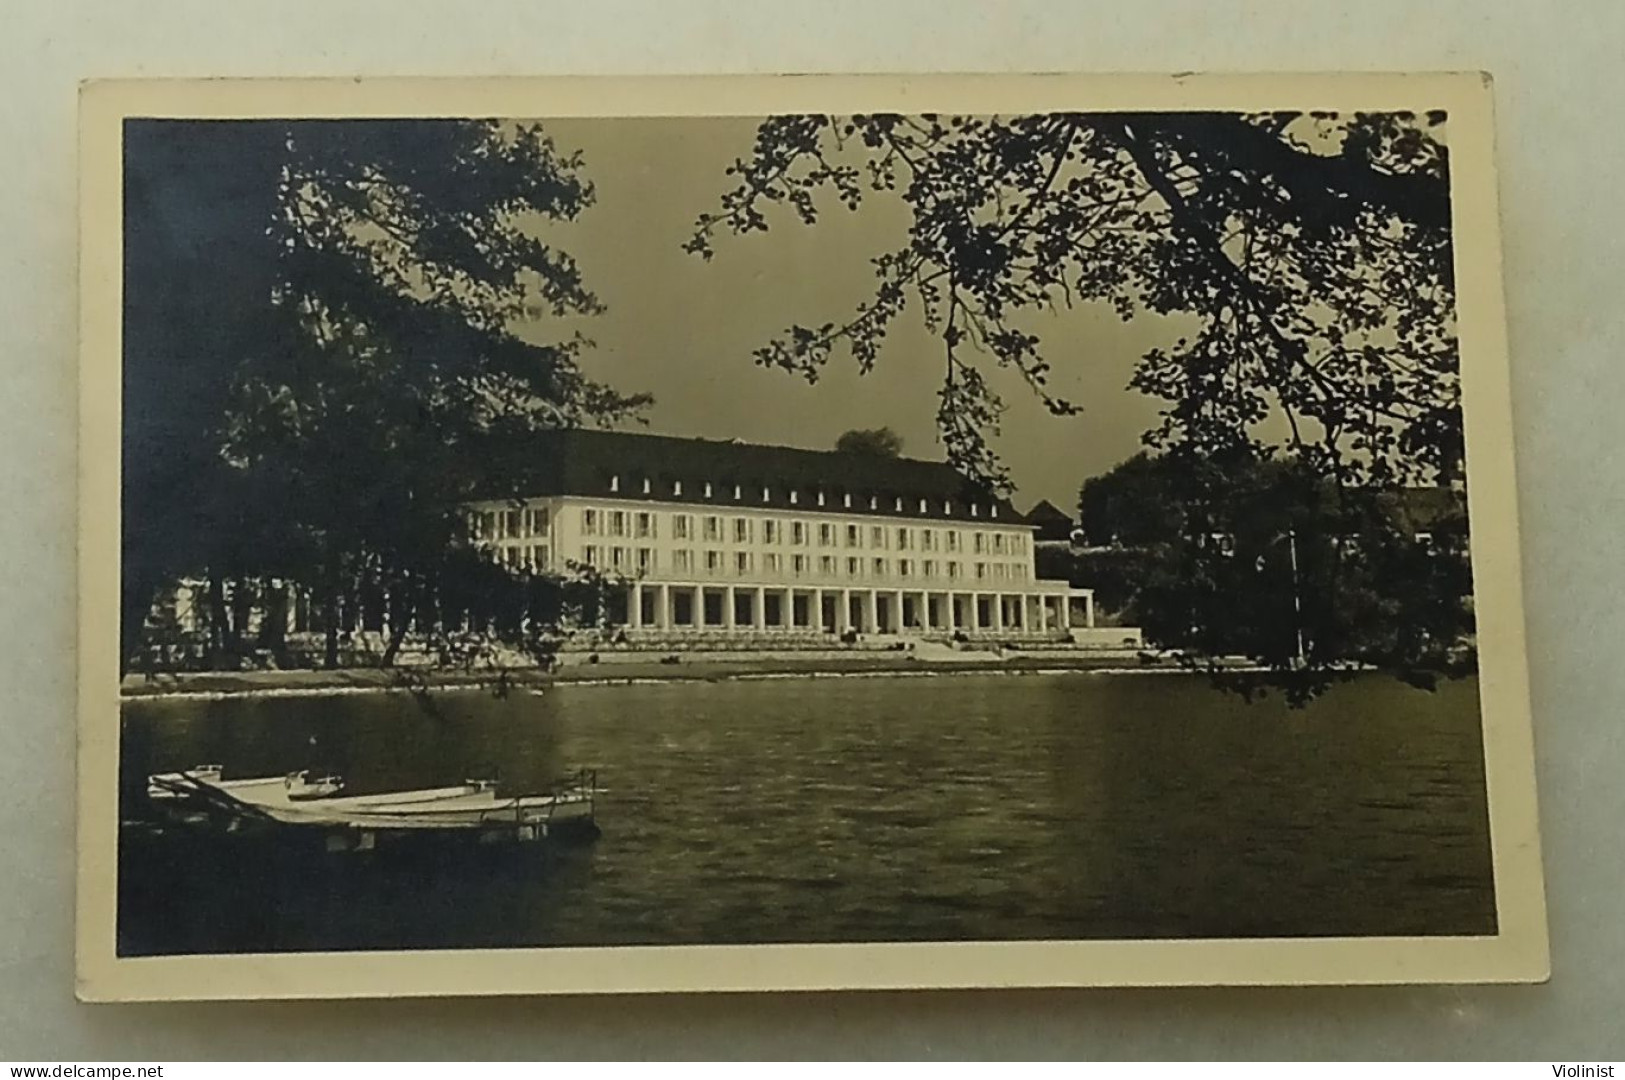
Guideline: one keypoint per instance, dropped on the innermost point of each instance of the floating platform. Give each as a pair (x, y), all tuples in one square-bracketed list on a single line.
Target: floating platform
[(297, 801)]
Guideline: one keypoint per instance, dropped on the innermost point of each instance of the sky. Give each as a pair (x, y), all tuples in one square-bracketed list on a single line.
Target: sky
[(684, 330)]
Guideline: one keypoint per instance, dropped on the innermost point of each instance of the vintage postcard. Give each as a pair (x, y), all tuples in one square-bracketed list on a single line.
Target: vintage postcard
[(617, 535)]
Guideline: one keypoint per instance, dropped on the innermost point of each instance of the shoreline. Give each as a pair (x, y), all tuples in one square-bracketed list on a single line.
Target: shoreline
[(354, 681)]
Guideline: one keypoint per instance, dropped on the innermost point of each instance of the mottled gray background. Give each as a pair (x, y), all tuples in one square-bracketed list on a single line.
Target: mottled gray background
[(1558, 92)]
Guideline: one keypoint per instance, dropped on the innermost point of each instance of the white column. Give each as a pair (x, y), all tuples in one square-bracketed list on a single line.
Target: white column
[(953, 612), (897, 610), (818, 610), (1089, 609), (758, 608), (634, 606), (698, 619), (728, 607), (872, 611), (1066, 612), (843, 613), (663, 607), (996, 609)]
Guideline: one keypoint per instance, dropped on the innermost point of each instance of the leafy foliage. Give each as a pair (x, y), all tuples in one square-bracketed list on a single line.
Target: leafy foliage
[(1313, 251), (319, 360), (876, 442), (1266, 559)]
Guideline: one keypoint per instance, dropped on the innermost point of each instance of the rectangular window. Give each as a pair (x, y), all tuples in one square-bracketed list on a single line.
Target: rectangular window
[(929, 568), (682, 560), (981, 571), (773, 563), (617, 523), (510, 557), (515, 523), (713, 528), (952, 536), (854, 536), (713, 561), (979, 543), (826, 565), (877, 537), (676, 487), (905, 567), (798, 532), (826, 535), (903, 538), (646, 560), (742, 562), (538, 521), (854, 568), (645, 525), (953, 571), (617, 558), (682, 527), (771, 532), (798, 565), (742, 530), (879, 567), (998, 543), (589, 554)]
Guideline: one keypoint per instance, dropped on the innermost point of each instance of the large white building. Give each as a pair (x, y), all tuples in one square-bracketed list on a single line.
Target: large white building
[(719, 537)]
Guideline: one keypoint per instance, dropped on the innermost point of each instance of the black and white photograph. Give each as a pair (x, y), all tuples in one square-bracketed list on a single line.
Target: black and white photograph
[(583, 525)]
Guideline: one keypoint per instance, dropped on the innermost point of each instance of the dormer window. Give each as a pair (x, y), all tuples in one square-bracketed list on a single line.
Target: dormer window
[(615, 483), (676, 487), (975, 511), (646, 485), (820, 498), (922, 506), (846, 500), (737, 492), (766, 495), (947, 506), (899, 506), (708, 489), (874, 502), (993, 511), (795, 497)]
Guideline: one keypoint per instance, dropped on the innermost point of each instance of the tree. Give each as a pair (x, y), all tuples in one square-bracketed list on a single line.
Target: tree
[(876, 442), (319, 361), (1267, 560), (1312, 250)]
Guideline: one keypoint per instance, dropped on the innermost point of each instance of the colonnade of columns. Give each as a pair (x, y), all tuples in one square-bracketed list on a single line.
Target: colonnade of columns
[(842, 610)]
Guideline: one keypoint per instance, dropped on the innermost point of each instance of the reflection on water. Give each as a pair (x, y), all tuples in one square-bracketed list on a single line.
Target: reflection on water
[(873, 809)]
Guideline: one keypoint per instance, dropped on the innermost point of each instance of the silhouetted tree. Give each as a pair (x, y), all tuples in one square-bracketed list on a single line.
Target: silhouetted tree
[(319, 357), (875, 442), (1312, 250)]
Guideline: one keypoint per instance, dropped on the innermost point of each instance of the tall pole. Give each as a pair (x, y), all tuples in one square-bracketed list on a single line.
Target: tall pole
[(1297, 600)]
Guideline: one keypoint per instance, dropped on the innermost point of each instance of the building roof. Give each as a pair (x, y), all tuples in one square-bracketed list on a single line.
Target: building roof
[(616, 464), (1051, 522)]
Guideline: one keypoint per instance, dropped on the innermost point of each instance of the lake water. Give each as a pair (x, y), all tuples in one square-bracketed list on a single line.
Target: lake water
[(850, 809)]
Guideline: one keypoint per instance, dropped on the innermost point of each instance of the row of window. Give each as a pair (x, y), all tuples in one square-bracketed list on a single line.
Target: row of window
[(508, 524), (744, 563), (712, 528), (847, 500)]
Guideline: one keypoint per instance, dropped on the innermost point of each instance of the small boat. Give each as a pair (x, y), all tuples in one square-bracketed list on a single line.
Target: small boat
[(299, 800), (296, 786)]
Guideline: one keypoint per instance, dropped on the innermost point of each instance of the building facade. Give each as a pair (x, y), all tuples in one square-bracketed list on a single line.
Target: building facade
[(715, 537)]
